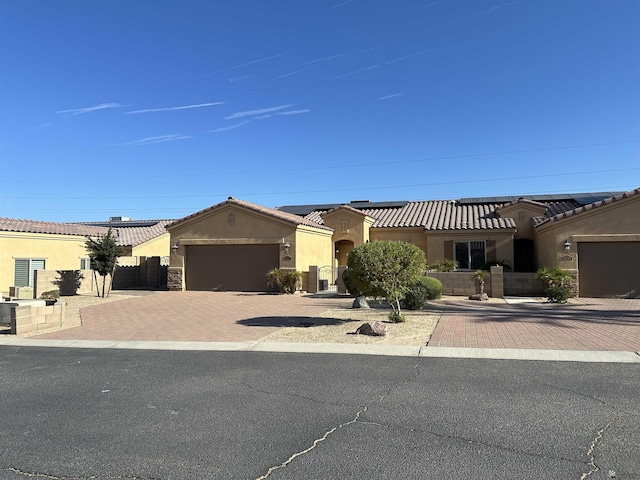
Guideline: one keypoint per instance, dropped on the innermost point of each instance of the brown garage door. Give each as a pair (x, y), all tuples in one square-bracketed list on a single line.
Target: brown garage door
[(230, 267), (609, 269)]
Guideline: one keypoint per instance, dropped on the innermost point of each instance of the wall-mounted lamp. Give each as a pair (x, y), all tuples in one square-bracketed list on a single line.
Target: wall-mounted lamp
[(286, 246), (567, 245), (174, 248)]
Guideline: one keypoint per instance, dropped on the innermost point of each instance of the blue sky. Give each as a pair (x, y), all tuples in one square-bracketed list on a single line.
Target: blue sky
[(159, 109)]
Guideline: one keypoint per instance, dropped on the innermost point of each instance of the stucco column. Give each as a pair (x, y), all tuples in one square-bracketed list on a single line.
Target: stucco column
[(314, 274), (497, 282)]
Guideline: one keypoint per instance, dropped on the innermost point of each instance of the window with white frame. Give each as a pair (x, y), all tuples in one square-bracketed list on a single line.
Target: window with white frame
[(85, 264), (23, 270), (470, 255)]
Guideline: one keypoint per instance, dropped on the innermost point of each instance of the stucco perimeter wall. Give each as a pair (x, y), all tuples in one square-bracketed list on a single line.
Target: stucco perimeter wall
[(616, 222), (312, 247), (435, 243), (410, 235), (233, 225), (460, 283), (156, 247), (61, 252)]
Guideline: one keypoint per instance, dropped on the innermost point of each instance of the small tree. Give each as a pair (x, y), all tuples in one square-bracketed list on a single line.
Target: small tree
[(386, 269), (480, 275), (104, 253)]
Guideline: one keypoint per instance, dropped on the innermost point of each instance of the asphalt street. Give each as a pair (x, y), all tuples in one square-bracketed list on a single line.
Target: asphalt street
[(141, 414)]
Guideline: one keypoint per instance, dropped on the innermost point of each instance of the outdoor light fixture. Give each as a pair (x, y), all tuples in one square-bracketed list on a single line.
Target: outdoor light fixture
[(567, 245), (286, 246), (174, 248)]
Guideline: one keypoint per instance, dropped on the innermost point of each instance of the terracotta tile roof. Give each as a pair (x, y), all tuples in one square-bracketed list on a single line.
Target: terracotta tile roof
[(138, 235), (278, 214), (125, 236), (37, 226), (435, 215), (585, 208)]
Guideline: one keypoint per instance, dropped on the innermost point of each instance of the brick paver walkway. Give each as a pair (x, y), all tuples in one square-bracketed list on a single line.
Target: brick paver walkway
[(195, 316), (583, 324)]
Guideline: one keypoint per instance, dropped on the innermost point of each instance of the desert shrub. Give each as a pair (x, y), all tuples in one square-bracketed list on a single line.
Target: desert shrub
[(444, 266), (287, 281), (349, 284), (50, 295), (397, 317), (426, 288), (557, 283)]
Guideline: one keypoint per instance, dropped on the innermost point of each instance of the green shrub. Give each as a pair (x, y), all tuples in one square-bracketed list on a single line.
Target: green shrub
[(445, 266), (287, 281), (558, 283), (50, 295), (349, 284), (397, 317), (426, 288)]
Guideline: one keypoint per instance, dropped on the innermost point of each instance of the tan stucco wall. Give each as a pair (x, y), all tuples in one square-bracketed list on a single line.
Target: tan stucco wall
[(521, 214), (617, 221), (359, 226), (248, 227), (312, 248), (156, 247), (435, 243), (61, 252)]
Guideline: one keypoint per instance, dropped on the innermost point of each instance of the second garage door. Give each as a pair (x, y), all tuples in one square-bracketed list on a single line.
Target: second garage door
[(609, 269), (230, 267)]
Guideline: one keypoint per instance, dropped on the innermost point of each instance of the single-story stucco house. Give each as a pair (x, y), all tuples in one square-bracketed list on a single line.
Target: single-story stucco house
[(596, 236), (231, 245), (30, 245)]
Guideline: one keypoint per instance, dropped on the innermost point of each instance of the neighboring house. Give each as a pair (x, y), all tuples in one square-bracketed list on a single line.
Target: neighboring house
[(596, 235), (30, 245)]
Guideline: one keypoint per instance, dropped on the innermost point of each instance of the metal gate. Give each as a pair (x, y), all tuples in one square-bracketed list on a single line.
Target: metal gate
[(326, 279)]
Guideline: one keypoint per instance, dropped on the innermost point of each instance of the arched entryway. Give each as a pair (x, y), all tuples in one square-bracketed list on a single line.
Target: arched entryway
[(523, 255), (343, 247)]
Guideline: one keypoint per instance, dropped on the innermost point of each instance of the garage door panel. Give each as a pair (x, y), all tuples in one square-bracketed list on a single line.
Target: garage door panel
[(230, 267), (609, 269)]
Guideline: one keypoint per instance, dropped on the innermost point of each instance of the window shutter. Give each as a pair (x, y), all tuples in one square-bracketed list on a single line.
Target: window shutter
[(448, 250), (21, 273), (491, 251)]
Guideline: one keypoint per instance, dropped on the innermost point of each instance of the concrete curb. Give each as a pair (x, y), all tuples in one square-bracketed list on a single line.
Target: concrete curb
[(339, 348)]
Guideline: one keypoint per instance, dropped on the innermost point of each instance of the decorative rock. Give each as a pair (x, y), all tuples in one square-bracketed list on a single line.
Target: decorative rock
[(375, 329), (479, 296), (360, 302)]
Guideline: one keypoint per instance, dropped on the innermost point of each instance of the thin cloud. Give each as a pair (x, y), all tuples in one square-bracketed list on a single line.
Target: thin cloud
[(334, 7), (231, 127), (151, 140), (399, 59), (167, 109), (429, 5), (45, 125), (243, 65), (356, 71), (370, 49), (251, 113), (287, 74), (294, 112), (393, 95), (324, 59), (241, 78), (80, 111)]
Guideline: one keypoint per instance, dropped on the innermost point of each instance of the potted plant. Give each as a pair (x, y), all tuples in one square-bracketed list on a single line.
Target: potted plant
[(50, 296)]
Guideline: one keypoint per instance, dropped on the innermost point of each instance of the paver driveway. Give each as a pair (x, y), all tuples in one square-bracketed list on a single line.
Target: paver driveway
[(195, 316), (583, 324)]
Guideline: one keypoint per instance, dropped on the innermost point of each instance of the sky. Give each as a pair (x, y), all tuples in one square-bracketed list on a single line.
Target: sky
[(158, 109)]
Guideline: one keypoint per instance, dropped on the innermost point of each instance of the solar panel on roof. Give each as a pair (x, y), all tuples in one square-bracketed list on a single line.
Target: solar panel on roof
[(580, 198)]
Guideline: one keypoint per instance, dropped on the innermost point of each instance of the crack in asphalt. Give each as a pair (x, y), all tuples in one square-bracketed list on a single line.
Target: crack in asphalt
[(590, 455), (555, 387), (295, 395), (467, 440), (24, 473), (329, 432)]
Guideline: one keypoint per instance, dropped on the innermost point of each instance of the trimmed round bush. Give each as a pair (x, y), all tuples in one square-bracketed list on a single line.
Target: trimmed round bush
[(426, 288)]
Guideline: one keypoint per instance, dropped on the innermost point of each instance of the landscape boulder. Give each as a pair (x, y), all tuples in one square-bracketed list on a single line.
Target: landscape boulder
[(360, 302), (375, 329), (479, 296)]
